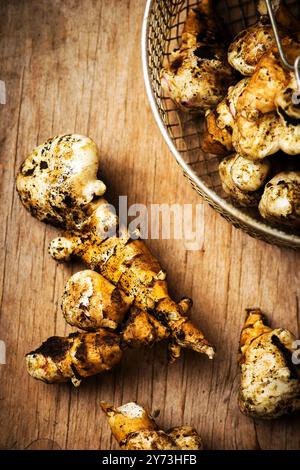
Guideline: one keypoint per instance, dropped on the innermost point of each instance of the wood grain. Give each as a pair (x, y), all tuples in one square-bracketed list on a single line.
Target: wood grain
[(74, 66)]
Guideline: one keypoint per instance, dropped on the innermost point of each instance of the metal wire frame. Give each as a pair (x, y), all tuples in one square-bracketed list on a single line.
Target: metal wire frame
[(296, 66), (162, 25)]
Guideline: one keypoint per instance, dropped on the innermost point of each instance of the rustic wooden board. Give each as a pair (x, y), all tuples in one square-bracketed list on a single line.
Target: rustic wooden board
[(74, 65)]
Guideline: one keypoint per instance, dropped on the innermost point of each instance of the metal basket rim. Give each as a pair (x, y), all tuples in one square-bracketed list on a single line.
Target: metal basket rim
[(266, 231)]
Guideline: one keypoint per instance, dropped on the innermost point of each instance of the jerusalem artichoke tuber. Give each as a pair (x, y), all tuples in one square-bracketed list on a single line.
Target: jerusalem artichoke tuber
[(130, 266), (198, 74), (90, 302), (79, 355), (270, 381), (280, 202), (242, 178), (135, 429), (258, 117), (252, 43), (219, 123), (57, 184)]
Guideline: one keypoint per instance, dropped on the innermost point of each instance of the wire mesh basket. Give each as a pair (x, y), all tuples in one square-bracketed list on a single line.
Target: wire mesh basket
[(163, 23)]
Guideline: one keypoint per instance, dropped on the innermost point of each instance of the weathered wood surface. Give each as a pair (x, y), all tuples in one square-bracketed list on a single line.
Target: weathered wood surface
[(75, 66)]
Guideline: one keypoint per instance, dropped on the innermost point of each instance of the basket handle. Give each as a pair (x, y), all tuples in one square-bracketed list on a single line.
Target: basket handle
[(296, 66)]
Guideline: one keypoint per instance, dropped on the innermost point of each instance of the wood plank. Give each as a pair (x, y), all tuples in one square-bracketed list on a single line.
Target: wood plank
[(74, 66)]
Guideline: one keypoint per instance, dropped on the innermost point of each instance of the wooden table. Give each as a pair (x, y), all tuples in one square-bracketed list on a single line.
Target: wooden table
[(74, 66)]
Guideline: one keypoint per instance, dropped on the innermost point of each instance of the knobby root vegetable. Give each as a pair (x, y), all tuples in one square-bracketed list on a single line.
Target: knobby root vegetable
[(270, 377), (219, 123), (267, 120), (252, 43), (130, 266), (57, 184), (242, 178), (280, 202), (135, 429), (91, 303), (60, 359), (198, 74)]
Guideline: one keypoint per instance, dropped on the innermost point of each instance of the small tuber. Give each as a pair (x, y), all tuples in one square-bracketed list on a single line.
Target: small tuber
[(135, 429)]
